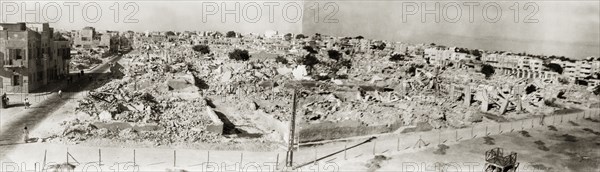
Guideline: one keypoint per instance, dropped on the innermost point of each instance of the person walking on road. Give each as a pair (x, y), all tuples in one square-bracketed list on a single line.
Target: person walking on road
[(25, 134), (60, 94), (26, 102)]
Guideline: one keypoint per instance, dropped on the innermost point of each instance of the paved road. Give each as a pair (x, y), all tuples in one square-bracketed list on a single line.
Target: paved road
[(12, 121)]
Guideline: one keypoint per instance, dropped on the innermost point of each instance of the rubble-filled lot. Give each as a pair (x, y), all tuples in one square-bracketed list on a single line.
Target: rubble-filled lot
[(161, 92)]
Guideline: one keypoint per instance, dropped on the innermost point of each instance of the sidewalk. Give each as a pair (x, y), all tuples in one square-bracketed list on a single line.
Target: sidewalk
[(12, 120)]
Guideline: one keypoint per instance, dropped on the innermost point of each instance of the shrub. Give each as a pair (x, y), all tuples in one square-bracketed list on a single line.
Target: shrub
[(396, 57), (240, 55), (204, 49), (563, 81), (170, 33), (554, 67), (287, 37), (281, 59), (334, 54), (530, 89), (230, 34), (309, 49), (310, 60), (487, 70)]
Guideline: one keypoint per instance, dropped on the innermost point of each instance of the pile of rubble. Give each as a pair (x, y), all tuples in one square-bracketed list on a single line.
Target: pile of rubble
[(163, 89), (141, 106)]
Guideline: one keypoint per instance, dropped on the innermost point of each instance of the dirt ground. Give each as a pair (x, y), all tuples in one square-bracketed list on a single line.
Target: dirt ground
[(565, 148)]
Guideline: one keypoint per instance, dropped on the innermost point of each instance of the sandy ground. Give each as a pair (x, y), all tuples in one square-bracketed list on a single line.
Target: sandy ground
[(568, 148)]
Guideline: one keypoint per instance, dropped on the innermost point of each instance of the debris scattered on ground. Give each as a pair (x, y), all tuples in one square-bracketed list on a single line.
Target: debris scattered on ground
[(489, 140), (541, 145), (375, 163), (441, 149), (524, 133), (552, 128), (162, 87)]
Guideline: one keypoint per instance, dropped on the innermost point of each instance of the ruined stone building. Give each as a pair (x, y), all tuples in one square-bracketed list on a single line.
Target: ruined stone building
[(32, 56), (88, 38)]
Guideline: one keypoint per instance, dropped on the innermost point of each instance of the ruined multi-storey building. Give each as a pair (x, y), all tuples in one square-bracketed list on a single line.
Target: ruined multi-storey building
[(88, 38), (32, 56)]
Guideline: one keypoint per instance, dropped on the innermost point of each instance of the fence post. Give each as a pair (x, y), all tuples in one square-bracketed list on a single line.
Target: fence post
[(374, 145), (277, 162), (439, 137), (67, 155), (134, 163), (499, 128), (345, 151), (44, 162), (456, 135), (174, 158), (315, 161), (208, 158), (486, 130), (561, 119), (100, 157), (241, 160)]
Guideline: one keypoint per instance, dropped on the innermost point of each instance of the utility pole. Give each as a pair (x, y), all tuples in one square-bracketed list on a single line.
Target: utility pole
[(290, 153)]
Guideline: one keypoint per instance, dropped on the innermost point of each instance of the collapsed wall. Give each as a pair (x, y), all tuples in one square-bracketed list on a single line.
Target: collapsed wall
[(217, 124), (272, 124)]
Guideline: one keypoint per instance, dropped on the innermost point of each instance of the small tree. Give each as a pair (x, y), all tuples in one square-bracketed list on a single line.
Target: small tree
[(309, 49), (287, 37), (334, 54), (203, 49), (317, 36), (300, 36), (378, 47), (412, 70), (359, 37), (487, 70), (217, 34), (281, 59), (597, 90), (563, 81), (230, 34), (397, 57), (530, 89), (475, 53), (310, 60), (240, 55), (169, 33), (554, 67)]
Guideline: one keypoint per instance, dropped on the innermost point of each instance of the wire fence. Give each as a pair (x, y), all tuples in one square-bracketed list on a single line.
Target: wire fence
[(410, 142), (149, 159)]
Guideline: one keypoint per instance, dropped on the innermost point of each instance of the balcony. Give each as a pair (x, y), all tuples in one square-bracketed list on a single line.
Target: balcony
[(12, 63)]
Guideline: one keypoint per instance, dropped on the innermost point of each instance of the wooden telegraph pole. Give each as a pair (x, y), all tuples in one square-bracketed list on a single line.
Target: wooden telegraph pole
[(290, 152)]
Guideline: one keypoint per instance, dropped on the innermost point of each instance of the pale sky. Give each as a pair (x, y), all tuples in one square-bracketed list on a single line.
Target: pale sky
[(570, 28)]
